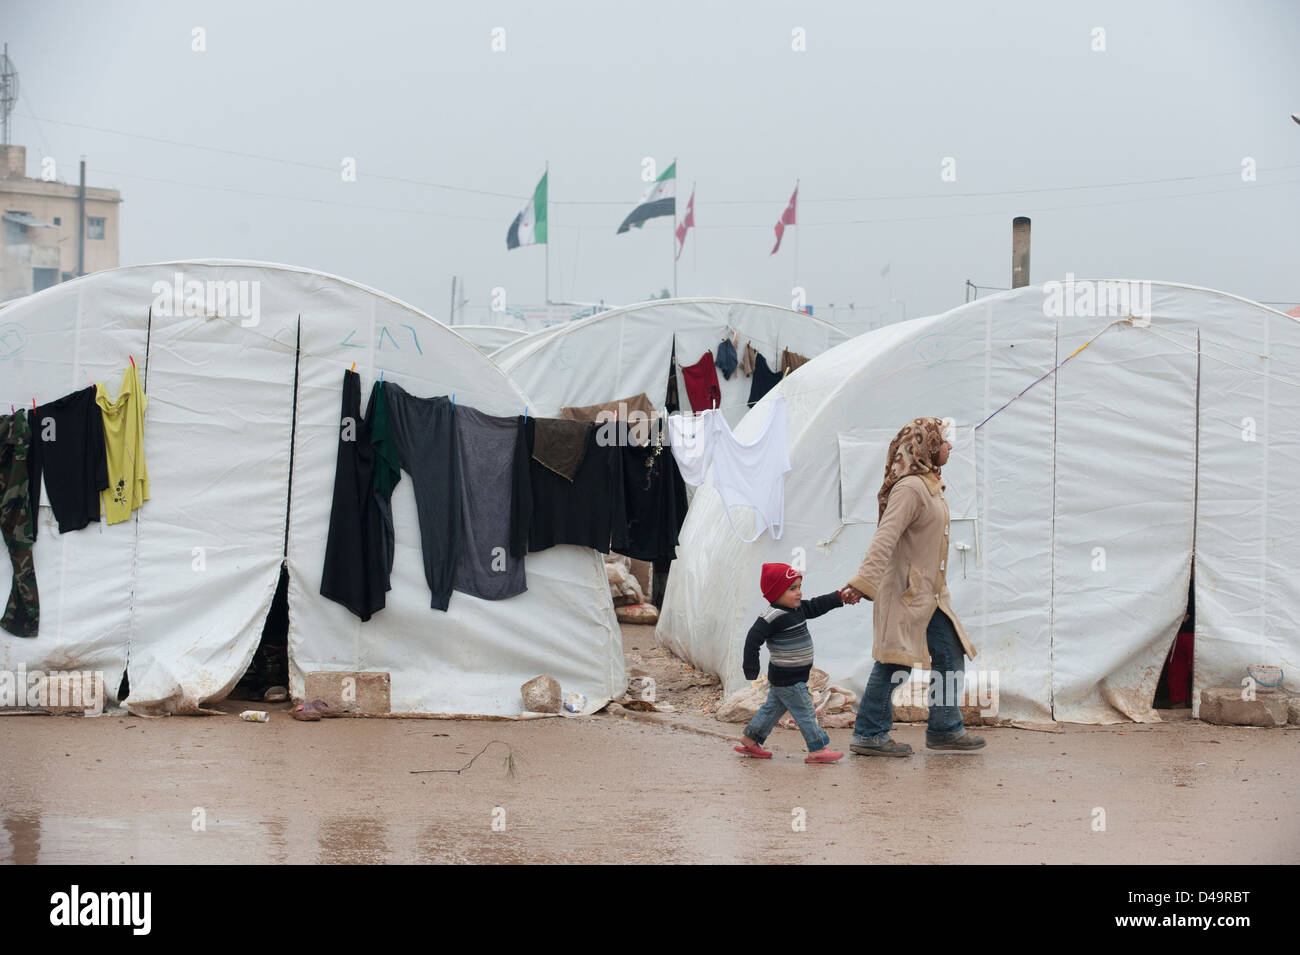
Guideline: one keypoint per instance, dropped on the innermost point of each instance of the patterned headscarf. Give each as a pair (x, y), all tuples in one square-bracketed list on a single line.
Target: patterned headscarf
[(914, 450)]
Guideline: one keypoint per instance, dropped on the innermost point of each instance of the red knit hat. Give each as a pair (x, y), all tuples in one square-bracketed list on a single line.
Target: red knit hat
[(776, 580)]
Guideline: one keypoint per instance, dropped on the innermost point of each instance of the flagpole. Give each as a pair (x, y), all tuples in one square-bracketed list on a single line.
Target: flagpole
[(796, 241), (674, 233), (547, 212)]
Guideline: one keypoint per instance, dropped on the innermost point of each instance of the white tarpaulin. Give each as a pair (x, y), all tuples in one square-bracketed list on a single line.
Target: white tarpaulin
[(1075, 509), (627, 351), (180, 593)]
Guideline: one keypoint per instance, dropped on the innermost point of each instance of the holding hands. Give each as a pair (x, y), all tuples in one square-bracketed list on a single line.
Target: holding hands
[(850, 595)]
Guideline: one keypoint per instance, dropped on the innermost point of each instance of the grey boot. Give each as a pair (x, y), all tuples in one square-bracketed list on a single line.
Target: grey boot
[(964, 744), (883, 746)]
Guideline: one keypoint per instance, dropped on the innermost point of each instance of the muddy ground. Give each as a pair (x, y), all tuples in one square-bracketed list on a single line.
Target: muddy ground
[(632, 787)]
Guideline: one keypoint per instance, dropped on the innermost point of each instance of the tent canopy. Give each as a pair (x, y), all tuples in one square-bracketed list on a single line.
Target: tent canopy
[(1074, 508), (488, 338), (626, 351), (241, 437)]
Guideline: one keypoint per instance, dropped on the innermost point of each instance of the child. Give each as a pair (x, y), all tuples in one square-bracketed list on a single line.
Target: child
[(790, 651)]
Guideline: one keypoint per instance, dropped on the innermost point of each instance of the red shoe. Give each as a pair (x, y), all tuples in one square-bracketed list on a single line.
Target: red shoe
[(755, 751), (824, 756)]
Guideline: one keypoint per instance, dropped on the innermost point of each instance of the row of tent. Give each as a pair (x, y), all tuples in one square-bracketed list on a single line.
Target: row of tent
[(1156, 437)]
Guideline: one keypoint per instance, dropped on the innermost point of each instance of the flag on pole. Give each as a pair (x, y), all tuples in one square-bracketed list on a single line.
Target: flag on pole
[(529, 227), (657, 200), (787, 218), (686, 223)]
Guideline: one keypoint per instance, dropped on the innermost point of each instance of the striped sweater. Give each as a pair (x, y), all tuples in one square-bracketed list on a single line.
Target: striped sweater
[(789, 644)]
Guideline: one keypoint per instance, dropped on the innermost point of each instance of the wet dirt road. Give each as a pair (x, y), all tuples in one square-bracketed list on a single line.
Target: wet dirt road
[(609, 789)]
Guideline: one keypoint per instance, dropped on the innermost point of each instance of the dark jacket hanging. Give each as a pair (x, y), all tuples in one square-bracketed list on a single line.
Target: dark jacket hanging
[(356, 562), (587, 511), (67, 449)]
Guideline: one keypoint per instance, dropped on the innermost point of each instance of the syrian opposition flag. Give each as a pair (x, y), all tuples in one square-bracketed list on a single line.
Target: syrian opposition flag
[(529, 227), (657, 200), (787, 218), (686, 223)]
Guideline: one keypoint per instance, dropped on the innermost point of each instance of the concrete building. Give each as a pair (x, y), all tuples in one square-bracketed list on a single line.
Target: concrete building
[(40, 229)]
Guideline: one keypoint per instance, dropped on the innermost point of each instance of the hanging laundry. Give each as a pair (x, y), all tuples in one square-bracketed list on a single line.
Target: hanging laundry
[(559, 445), (496, 504), (67, 452), (702, 386), (22, 614), (588, 510), (123, 419), (748, 359), (357, 563), (764, 379), (424, 433), (726, 359), (622, 409), (654, 500), (790, 361), (387, 473), (690, 437), (753, 474)]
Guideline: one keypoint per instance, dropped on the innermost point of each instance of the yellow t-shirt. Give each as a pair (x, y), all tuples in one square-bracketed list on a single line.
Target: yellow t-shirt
[(128, 478)]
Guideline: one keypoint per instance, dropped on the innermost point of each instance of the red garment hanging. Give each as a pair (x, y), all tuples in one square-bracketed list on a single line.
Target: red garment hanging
[(702, 386)]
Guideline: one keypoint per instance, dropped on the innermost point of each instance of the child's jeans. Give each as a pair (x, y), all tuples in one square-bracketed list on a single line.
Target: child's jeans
[(798, 701)]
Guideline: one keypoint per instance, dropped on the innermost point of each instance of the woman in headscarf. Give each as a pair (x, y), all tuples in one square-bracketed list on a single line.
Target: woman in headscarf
[(904, 575)]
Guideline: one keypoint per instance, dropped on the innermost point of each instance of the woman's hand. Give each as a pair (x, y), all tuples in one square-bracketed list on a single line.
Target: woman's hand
[(850, 594)]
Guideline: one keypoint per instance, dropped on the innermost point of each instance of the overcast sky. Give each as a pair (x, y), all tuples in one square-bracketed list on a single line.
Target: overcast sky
[(1036, 119)]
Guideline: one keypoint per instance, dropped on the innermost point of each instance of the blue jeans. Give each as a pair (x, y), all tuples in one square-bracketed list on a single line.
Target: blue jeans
[(799, 702), (876, 711)]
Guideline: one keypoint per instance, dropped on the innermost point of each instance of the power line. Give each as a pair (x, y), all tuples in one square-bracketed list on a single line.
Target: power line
[(623, 202), (290, 162)]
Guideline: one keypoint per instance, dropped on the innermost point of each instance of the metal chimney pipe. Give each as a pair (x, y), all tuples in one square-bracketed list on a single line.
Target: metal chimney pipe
[(1019, 251)]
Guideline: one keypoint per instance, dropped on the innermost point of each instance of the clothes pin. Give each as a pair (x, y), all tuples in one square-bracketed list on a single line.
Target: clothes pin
[(354, 366), (525, 414)]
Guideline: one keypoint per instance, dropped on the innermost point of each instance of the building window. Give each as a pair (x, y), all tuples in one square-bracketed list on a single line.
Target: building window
[(44, 278), (58, 221), (94, 227)]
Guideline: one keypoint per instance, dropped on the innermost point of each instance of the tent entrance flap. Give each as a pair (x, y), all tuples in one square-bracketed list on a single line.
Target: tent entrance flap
[(1124, 516), (270, 663)]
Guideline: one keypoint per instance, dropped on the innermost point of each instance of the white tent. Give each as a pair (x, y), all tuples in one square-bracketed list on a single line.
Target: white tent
[(488, 338), (626, 351), (180, 593), (1074, 509)]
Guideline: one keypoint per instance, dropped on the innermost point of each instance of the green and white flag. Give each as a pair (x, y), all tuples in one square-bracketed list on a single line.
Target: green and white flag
[(529, 227), (657, 200)]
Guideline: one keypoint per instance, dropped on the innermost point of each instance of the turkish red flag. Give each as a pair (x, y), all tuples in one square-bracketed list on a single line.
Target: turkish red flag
[(686, 223), (787, 218)]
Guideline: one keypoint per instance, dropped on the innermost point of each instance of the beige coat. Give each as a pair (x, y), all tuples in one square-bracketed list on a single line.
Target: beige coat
[(905, 572)]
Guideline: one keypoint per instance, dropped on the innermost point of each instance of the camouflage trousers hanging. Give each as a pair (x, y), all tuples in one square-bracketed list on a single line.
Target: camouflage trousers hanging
[(18, 524)]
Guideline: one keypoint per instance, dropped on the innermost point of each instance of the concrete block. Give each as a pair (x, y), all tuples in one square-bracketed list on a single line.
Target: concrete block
[(364, 693), (1293, 710), (1224, 706), (910, 705)]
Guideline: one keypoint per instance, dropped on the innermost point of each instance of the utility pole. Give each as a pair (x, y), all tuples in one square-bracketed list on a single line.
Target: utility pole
[(81, 221), (1019, 251), (451, 310)]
